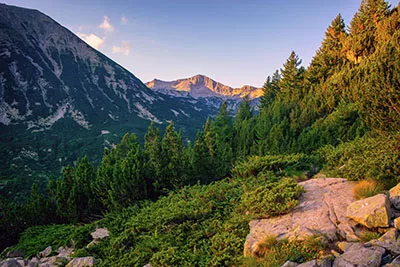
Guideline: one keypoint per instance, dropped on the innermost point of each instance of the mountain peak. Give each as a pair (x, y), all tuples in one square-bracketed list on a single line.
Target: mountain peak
[(199, 86)]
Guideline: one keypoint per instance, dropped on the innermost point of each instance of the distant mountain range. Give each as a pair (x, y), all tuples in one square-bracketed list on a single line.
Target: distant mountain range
[(201, 86)]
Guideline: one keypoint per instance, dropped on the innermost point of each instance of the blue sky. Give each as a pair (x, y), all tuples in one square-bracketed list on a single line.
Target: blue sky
[(234, 42)]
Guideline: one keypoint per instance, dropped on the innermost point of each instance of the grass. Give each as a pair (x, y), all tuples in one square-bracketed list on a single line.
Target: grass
[(367, 236), (274, 253), (367, 188)]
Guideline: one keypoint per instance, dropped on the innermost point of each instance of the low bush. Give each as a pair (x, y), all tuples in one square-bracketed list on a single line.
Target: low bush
[(272, 198), (375, 158), (272, 165), (37, 238)]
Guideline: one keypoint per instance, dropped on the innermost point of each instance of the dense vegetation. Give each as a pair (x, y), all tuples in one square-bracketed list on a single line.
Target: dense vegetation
[(343, 112)]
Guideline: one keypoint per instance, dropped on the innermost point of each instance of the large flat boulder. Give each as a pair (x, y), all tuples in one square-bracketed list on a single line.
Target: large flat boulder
[(321, 210), (371, 212)]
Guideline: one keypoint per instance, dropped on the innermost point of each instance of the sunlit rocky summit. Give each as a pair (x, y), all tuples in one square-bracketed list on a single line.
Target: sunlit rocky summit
[(201, 86)]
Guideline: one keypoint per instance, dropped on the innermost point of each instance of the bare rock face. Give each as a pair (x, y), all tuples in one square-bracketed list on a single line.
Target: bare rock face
[(371, 212), (394, 195), (81, 262), (357, 255), (321, 210)]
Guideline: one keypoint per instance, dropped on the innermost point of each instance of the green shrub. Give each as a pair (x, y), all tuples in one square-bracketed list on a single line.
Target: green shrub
[(272, 166), (271, 199), (375, 158), (37, 238)]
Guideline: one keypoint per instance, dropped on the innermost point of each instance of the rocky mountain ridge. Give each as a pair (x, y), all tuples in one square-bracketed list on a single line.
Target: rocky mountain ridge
[(200, 86)]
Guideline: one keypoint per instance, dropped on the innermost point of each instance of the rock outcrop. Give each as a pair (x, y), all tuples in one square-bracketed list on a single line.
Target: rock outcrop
[(321, 210), (371, 212), (394, 195)]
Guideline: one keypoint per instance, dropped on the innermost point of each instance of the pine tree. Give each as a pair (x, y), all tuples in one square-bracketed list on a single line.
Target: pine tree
[(330, 56), (152, 162), (363, 28), (222, 128), (244, 132), (172, 153)]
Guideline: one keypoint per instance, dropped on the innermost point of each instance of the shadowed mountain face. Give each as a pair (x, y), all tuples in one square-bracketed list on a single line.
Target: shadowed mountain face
[(201, 86), (61, 99)]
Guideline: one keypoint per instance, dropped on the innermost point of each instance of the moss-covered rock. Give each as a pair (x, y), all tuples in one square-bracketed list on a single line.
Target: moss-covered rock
[(371, 212)]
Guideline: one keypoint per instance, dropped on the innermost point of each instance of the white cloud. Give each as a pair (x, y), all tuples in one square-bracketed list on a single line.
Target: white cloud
[(125, 48), (92, 39), (124, 20), (106, 25)]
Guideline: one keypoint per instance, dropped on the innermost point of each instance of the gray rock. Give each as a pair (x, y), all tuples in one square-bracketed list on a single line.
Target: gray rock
[(359, 256), (325, 262), (394, 196), (389, 241), (10, 263), (65, 251), (321, 211), (15, 253), (396, 260), (53, 261), (100, 233), (290, 264), (81, 262), (45, 253), (34, 262), (371, 212), (312, 263)]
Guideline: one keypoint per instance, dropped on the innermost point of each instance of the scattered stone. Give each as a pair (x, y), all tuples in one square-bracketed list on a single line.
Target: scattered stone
[(287, 264), (321, 211), (45, 253), (312, 263), (396, 223), (34, 262), (358, 255), (53, 261), (371, 212), (10, 263), (65, 251), (394, 195), (100, 233), (15, 253), (81, 262), (396, 260), (389, 241)]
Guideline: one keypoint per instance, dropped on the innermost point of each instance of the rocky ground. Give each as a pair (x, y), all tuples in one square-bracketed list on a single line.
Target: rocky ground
[(328, 208)]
